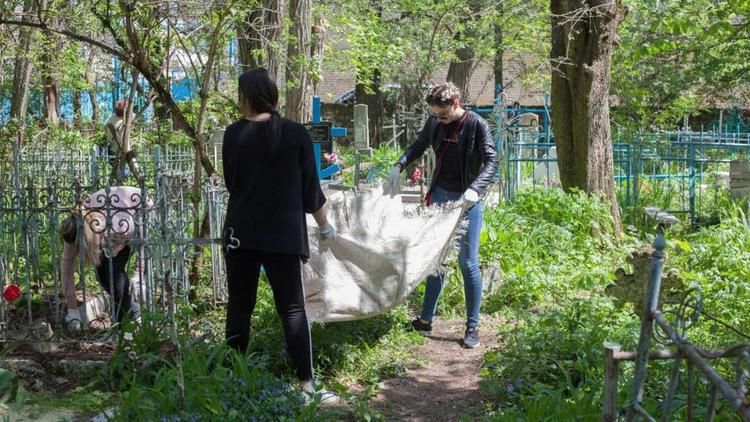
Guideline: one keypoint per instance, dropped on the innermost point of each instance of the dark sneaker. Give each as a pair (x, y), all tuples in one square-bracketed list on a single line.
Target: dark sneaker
[(422, 328), (471, 338)]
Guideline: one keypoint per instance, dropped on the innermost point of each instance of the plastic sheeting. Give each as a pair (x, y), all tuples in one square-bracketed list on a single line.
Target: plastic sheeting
[(381, 253)]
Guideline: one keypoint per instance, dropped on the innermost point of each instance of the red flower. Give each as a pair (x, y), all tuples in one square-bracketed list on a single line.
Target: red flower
[(416, 176), (11, 293)]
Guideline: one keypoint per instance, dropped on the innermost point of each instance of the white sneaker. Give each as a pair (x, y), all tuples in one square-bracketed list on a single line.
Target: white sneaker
[(73, 320), (315, 392)]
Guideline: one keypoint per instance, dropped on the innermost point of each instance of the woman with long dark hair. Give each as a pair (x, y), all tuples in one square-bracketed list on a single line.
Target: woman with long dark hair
[(270, 173)]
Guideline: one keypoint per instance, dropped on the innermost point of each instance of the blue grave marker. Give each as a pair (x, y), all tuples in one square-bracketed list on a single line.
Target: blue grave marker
[(322, 134)]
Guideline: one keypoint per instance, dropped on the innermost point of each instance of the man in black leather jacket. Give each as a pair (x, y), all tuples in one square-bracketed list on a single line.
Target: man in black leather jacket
[(464, 167)]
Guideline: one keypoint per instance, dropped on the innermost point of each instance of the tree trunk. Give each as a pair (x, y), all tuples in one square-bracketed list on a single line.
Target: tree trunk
[(19, 101), (274, 30), (77, 94), (249, 40), (91, 82), (200, 229), (581, 58), (316, 53), (460, 69), (298, 55), (258, 37), (51, 71), (128, 115), (497, 67), (374, 101), (94, 104)]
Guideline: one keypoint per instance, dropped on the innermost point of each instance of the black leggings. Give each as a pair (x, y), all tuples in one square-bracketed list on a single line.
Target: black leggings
[(285, 276), (118, 286)]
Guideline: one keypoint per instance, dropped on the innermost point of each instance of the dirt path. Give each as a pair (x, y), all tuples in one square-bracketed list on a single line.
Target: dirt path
[(448, 386)]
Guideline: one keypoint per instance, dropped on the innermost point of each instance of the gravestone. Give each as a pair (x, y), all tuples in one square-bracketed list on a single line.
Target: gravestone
[(546, 170), (361, 129), (631, 288), (215, 144), (217, 137), (320, 133)]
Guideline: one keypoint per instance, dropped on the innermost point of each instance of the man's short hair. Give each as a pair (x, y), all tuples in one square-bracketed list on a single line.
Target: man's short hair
[(443, 95), (120, 107)]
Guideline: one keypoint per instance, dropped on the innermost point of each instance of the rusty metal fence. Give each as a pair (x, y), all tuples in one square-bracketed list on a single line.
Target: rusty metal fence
[(667, 326)]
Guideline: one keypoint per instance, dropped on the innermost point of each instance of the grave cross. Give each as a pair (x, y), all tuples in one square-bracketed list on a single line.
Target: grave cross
[(322, 134)]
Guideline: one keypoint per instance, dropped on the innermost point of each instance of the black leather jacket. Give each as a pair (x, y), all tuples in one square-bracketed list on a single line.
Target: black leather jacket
[(475, 143)]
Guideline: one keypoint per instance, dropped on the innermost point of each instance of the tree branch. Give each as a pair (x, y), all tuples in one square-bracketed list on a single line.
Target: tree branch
[(69, 34)]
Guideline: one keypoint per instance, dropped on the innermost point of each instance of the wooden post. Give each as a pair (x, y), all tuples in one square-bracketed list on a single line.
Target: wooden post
[(610, 382)]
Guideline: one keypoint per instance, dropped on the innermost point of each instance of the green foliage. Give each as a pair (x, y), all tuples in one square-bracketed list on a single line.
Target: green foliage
[(516, 241), (8, 385), (69, 138), (217, 381), (715, 259), (409, 41), (378, 165), (674, 55), (383, 160), (346, 352), (550, 363), (557, 350)]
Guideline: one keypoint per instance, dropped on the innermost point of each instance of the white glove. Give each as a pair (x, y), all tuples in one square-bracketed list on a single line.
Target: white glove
[(471, 197), (326, 232), (394, 180), (73, 320)]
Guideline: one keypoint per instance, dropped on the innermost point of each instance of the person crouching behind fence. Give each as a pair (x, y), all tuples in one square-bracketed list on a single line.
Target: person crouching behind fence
[(108, 222), (270, 173)]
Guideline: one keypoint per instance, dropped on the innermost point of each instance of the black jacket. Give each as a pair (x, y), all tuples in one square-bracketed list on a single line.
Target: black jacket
[(269, 196), (475, 144)]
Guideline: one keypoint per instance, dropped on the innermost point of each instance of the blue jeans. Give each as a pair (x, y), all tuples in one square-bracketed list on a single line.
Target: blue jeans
[(468, 260)]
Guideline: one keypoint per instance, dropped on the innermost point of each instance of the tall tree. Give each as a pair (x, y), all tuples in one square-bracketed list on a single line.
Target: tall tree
[(22, 70), (584, 33), (461, 67), (297, 105), (317, 50), (258, 36), (50, 71)]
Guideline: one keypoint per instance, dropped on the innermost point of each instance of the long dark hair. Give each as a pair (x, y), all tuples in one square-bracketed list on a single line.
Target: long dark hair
[(258, 94)]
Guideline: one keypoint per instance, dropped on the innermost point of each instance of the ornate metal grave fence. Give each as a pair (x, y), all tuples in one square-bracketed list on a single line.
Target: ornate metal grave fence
[(657, 326), (41, 188)]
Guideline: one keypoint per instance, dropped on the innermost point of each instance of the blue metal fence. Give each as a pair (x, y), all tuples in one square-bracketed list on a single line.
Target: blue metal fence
[(680, 175)]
